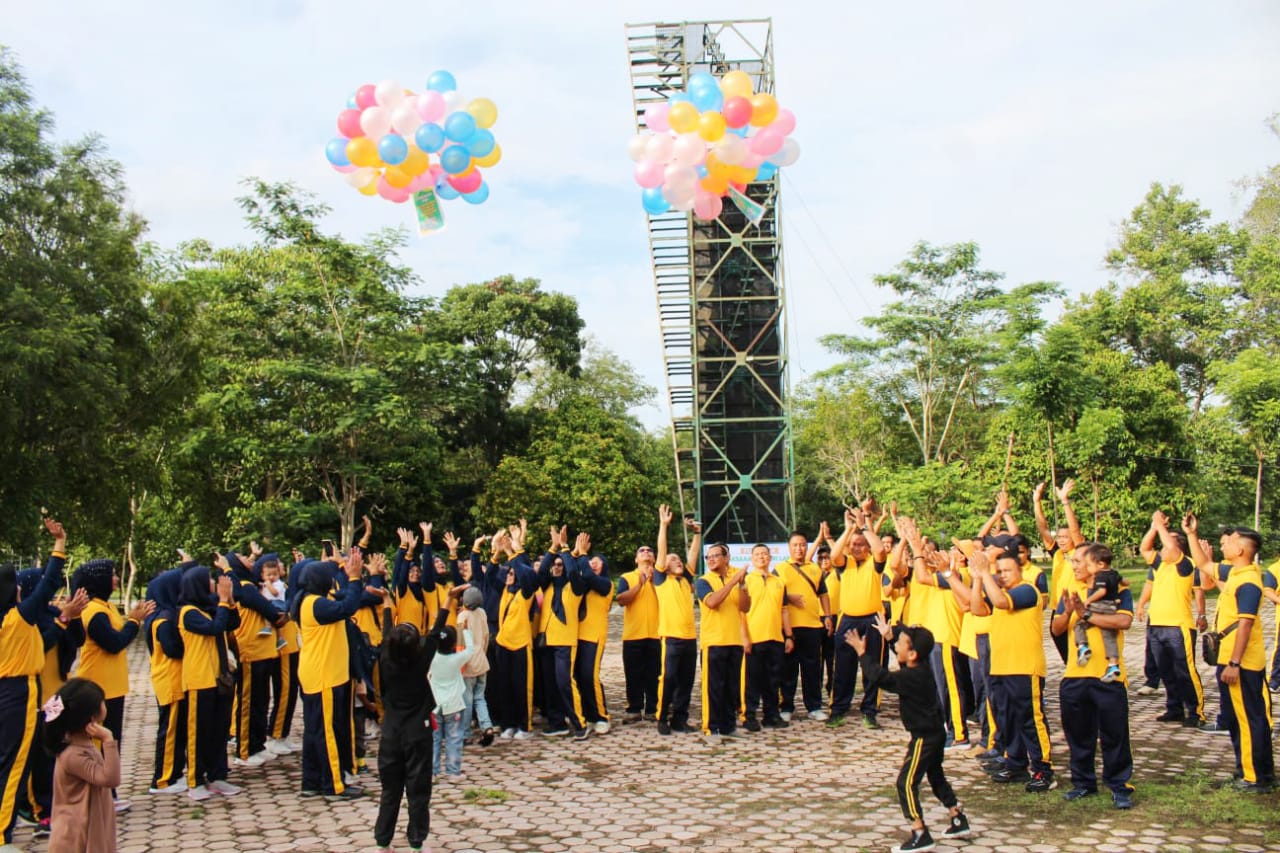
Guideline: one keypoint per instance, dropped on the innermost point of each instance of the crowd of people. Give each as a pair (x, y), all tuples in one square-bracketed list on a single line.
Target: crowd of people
[(436, 651)]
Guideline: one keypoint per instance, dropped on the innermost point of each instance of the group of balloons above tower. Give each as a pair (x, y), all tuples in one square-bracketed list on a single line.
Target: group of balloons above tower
[(701, 145), (708, 142)]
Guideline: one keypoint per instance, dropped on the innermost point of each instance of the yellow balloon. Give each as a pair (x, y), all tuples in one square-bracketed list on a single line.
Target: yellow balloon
[(741, 174), (736, 84), (711, 126), (683, 117), (489, 159), (715, 184), (484, 111), (362, 152), (370, 188), (764, 109), (397, 178), (416, 163)]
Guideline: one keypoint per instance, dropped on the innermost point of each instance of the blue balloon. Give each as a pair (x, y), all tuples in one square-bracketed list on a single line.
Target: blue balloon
[(739, 131), (707, 99), (654, 203), (430, 137), (455, 159), (441, 81), (701, 170), (679, 97), (336, 151), (444, 191), (460, 126), (766, 171), (702, 81), (393, 149), (351, 102), (481, 143), (479, 196)]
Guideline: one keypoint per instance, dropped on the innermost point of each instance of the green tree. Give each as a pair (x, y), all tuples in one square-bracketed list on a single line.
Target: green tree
[(1251, 384)]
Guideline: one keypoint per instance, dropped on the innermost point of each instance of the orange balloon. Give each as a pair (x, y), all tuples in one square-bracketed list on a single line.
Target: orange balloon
[(715, 184), (711, 126), (683, 117), (741, 174), (764, 109), (397, 178), (489, 159), (736, 84), (361, 151), (416, 163)]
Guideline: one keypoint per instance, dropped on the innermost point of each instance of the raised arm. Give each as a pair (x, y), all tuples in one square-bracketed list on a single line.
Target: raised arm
[(694, 553), (992, 523), (1073, 523), (1042, 524), (1147, 547), (664, 522)]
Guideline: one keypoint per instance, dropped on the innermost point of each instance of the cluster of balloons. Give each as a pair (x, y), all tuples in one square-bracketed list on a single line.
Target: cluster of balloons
[(709, 142), (389, 135)]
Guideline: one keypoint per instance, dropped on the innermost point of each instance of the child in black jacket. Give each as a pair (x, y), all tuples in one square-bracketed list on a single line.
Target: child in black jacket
[(922, 717)]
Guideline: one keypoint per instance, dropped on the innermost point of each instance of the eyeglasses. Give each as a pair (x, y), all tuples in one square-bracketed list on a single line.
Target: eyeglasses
[(644, 548), (557, 563)]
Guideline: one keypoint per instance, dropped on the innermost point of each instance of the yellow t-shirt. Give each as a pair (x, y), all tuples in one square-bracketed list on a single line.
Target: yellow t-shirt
[(804, 580), (1240, 598), (1017, 635), (675, 606), (110, 671), (22, 646), (514, 630), (860, 588), (1173, 586), (768, 598), (721, 626), (323, 662), (640, 617), (1096, 667)]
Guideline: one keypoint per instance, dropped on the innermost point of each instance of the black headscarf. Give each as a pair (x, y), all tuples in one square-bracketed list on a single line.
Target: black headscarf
[(8, 587), (94, 577), (195, 590)]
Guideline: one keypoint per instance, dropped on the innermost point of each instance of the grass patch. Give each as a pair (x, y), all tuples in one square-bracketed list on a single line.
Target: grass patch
[(1194, 801), (485, 796)]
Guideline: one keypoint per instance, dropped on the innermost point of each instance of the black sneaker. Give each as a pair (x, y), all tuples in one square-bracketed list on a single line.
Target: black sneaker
[(1122, 799), (1011, 774), (1041, 782), (1253, 787), (1078, 794), (778, 723), (988, 755), (350, 792), (42, 829), (681, 728), (558, 732), (487, 738), (751, 725), (1167, 717), (664, 728), (920, 840), (959, 827), (582, 733), (309, 792)]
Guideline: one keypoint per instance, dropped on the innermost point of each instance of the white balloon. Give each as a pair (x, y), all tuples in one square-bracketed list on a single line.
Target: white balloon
[(787, 154), (388, 93), (680, 177), (731, 149), (453, 101), (689, 149), (659, 148), (405, 118), (375, 122), (636, 146), (679, 197), (360, 176)]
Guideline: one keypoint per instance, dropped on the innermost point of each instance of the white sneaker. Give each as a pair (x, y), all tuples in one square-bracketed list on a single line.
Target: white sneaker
[(226, 789), (602, 727), (294, 744), (507, 734), (350, 779), (277, 746), (521, 734), (786, 715), (1148, 690), (255, 760), (123, 806), (819, 716), (712, 739), (175, 788), (199, 793)]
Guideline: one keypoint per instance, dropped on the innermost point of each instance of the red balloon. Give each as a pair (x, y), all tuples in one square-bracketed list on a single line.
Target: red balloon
[(349, 124), (736, 111), (468, 184), (365, 97)]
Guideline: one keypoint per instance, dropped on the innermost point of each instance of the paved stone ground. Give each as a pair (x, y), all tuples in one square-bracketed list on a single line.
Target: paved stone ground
[(808, 788)]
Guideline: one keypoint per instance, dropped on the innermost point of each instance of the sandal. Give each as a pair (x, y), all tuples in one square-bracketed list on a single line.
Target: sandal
[(487, 737)]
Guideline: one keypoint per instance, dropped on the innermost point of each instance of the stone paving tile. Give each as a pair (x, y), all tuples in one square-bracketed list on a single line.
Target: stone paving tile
[(807, 788)]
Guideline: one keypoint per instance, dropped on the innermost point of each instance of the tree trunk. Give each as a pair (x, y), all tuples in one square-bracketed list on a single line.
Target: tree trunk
[(1053, 472), (131, 566), (1257, 496), (1096, 521), (347, 511)]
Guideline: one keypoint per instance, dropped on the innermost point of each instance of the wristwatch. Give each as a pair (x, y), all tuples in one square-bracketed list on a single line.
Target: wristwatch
[(1234, 663)]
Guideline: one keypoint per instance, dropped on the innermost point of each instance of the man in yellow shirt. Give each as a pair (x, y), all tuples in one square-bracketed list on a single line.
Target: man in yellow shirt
[(768, 639), (859, 563), (676, 629), (641, 648), (1059, 543), (1242, 661), (722, 594), (809, 608)]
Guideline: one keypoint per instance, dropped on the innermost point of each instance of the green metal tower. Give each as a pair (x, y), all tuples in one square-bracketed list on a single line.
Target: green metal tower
[(720, 308)]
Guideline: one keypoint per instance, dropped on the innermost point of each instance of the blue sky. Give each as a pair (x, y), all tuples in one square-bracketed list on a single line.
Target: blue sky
[(1030, 128)]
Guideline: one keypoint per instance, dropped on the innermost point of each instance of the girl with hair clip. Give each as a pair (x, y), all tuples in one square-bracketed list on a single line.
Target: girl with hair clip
[(84, 817)]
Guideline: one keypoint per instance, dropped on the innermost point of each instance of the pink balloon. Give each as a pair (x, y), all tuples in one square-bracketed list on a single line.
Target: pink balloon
[(365, 96), (431, 105), (766, 142), (436, 171), (399, 196), (736, 111), (345, 169), (655, 117), (469, 183), (385, 189), (784, 123), (706, 205), (349, 124), (752, 161), (649, 173)]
